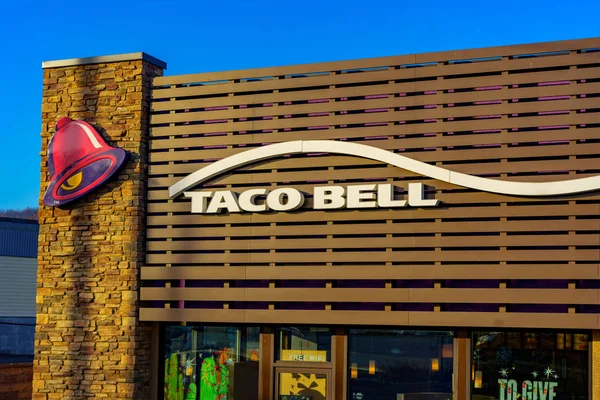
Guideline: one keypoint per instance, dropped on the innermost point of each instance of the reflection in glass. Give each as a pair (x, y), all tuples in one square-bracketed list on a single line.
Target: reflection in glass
[(210, 363), (302, 386), (385, 364), (532, 365), (304, 344)]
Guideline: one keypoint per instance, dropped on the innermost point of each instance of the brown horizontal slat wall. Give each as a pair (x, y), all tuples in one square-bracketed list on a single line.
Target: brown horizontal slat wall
[(517, 113)]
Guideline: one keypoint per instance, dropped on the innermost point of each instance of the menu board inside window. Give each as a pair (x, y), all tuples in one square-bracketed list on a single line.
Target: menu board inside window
[(564, 341), (560, 341), (568, 341), (531, 340), (580, 341)]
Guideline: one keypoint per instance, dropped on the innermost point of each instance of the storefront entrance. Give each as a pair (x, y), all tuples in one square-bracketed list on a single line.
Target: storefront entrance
[(303, 382), (208, 362)]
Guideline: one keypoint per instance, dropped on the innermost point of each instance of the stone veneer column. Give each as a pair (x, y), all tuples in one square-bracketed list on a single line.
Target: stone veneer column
[(89, 342)]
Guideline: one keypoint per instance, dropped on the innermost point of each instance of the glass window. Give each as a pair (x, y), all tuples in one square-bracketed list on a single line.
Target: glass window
[(302, 385), (211, 362), (530, 365), (386, 364), (304, 344)]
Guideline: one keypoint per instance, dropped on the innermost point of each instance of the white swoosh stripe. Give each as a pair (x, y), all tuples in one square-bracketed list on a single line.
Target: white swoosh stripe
[(89, 134), (571, 186)]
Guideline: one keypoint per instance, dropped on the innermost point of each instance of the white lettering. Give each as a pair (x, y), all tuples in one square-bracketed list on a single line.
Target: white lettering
[(361, 196), (275, 199), (223, 200), (329, 197), (385, 197), (416, 194), (247, 202), (325, 198), (198, 201)]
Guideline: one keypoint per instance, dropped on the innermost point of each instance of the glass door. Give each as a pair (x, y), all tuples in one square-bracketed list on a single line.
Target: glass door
[(303, 383)]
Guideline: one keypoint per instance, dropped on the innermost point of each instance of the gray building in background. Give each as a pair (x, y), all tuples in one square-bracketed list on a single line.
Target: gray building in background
[(18, 271)]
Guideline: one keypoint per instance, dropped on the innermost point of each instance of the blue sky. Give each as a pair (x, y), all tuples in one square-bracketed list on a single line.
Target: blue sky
[(198, 36)]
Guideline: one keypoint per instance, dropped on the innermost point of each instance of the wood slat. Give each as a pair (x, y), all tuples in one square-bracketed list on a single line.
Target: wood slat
[(533, 212), (548, 255), (366, 242), (374, 272), (405, 227), (375, 318), (342, 295)]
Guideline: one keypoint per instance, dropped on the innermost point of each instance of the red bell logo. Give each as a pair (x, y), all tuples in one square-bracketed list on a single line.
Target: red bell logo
[(79, 161)]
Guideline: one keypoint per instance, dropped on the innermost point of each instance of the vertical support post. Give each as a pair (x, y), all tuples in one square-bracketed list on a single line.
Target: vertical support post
[(594, 365), (155, 362), (462, 365), (265, 369), (340, 364)]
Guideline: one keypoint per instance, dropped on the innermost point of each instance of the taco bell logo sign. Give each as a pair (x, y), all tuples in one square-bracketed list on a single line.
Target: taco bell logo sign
[(79, 161), (354, 196)]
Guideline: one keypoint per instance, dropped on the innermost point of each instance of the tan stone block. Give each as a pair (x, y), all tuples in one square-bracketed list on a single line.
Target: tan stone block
[(45, 291), (125, 387), (49, 107), (64, 324), (129, 295), (57, 73)]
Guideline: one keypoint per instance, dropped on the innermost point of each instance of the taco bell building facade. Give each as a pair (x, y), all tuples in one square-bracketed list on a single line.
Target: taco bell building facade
[(417, 227)]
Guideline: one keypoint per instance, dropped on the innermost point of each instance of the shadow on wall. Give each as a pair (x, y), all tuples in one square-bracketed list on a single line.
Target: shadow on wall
[(101, 341)]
